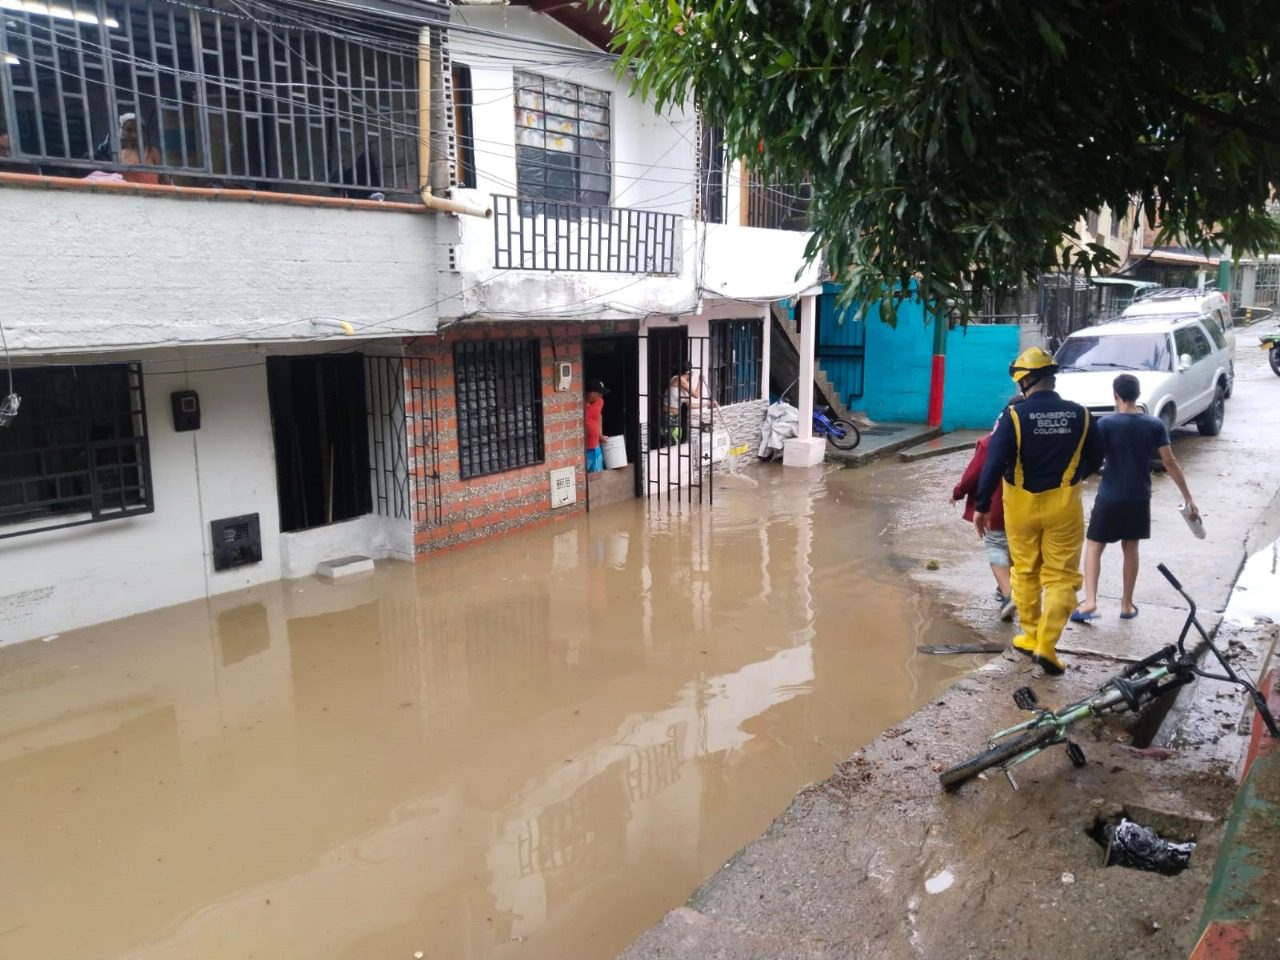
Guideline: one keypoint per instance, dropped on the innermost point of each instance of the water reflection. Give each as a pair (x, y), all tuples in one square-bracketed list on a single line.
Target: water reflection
[(532, 748)]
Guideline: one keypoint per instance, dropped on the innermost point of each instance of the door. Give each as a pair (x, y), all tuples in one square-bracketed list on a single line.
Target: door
[(1196, 380), (681, 421)]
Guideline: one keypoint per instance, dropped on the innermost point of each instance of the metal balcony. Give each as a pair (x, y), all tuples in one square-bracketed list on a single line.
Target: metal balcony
[(551, 235)]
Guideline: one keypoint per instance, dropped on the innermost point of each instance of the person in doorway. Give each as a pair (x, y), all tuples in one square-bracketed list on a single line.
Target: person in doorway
[(684, 391), (596, 392), (994, 540), (1040, 450), (1122, 510)]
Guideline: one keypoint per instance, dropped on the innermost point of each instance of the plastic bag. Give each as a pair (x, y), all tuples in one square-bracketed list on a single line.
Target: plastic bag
[(1131, 844)]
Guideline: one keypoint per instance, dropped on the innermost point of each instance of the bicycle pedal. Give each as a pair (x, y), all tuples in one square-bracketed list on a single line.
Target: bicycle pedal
[(1026, 698), (1075, 754)]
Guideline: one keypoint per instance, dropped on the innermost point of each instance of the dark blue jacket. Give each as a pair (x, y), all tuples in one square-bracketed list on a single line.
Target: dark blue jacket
[(1051, 428)]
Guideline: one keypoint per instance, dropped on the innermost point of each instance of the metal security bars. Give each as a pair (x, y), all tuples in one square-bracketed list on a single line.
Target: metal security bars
[(737, 355), (775, 205), (498, 387), (404, 461), (222, 92), (562, 140), (546, 235), (77, 451)]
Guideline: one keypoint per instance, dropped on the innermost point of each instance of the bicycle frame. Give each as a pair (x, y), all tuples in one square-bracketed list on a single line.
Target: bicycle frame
[(1141, 683)]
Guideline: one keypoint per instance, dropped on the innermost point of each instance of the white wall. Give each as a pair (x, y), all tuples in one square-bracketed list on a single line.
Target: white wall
[(62, 579), (654, 156), (84, 270)]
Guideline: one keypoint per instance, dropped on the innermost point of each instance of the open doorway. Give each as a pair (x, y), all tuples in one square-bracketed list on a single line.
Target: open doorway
[(614, 361), (321, 439)]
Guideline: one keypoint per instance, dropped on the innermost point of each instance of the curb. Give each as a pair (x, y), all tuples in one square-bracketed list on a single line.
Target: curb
[(941, 450), (1241, 886), (855, 459)]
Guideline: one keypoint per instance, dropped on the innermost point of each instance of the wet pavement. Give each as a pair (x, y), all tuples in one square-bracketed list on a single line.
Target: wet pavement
[(533, 748), (989, 872)]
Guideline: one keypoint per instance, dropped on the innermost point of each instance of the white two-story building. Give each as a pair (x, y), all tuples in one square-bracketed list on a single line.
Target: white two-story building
[(282, 283)]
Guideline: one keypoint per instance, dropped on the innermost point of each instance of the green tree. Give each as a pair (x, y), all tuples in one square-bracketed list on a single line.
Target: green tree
[(959, 140)]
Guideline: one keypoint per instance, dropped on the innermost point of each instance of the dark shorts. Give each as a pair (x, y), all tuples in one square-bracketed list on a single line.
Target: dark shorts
[(1115, 520)]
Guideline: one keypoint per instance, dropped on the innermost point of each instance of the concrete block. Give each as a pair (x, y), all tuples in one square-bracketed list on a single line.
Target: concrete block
[(343, 567), (804, 453)]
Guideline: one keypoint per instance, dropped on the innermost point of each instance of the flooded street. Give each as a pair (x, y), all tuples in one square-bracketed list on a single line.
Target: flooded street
[(530, 749)]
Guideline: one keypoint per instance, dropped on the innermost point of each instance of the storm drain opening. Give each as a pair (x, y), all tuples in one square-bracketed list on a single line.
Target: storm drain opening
[(1127, 843)]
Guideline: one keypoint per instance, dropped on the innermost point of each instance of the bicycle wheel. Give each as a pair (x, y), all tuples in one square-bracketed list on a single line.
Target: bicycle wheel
[(844, 435), (961, 773)]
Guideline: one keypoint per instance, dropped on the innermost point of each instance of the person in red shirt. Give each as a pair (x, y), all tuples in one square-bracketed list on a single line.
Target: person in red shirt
[(596, 391), (994, 540)]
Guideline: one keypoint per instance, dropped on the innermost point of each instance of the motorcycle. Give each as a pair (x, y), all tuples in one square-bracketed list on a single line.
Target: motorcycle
[(1271, 343)]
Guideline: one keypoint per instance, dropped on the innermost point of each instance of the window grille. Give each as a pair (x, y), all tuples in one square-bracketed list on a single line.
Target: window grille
[(225, 92), (562, 141), (776, 205), (736, 356), (499, 396), (77, 450)]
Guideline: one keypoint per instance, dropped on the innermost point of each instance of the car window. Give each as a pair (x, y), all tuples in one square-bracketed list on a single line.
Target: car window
[(1139, 351), (1215, 331), (1191, 341), (1223, 318)]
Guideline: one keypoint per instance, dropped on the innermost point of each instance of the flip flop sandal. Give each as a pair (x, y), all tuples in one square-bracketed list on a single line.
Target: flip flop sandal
[(1130, 616), (1078, 617)]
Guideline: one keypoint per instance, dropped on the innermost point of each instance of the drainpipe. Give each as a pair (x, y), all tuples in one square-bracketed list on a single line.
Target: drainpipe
[(424, 139), (939, 369)]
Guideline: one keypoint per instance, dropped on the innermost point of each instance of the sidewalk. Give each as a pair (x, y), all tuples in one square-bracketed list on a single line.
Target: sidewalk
[(882, 440)]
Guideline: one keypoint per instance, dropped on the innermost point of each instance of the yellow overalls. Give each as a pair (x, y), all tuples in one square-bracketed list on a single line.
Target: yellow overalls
[(1046, 534)]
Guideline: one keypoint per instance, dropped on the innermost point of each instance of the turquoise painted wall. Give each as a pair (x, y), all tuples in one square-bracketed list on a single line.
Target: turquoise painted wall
[(978, 383), (899, 363)]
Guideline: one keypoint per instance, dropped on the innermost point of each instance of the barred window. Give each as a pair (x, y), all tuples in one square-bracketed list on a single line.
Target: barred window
[(737, 354), (77, 450), (498, 385), (216, 92), (562, 141)]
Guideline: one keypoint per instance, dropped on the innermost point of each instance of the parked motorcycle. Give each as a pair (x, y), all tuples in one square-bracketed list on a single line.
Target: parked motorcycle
[(1271, 343)]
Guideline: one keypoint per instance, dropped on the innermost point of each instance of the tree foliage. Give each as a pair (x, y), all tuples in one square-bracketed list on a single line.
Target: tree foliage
[(957, 141)]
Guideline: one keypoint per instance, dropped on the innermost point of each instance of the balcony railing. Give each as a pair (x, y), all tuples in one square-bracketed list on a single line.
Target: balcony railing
[(550, 235), (209, 94), (775, 205)]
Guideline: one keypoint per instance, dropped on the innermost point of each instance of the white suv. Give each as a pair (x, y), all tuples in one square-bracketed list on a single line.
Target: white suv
[(1209, 306), (1183, 364)]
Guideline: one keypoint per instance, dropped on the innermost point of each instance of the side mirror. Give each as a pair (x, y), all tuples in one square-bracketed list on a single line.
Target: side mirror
[(1184, 362)]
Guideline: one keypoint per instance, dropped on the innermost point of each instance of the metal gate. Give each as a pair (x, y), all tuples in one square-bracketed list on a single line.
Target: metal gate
[(404, 451), (676, 440), (841, 348)]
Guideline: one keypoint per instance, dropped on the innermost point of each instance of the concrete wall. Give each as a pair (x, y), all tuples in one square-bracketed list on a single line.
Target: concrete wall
[(898, 369), (61, 579), (88, 269), (978, 383)]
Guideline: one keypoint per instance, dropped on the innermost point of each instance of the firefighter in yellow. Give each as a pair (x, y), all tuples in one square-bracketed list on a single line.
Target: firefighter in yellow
[(1041, 449)]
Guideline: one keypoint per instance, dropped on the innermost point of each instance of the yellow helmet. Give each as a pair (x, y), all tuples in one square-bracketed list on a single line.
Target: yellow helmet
[(1034, 360)]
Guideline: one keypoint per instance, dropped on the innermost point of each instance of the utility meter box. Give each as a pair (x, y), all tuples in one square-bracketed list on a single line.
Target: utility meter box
[(564, 376), (564, 487)]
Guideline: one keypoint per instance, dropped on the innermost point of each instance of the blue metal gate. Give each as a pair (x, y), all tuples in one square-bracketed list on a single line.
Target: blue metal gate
[(841, 347)]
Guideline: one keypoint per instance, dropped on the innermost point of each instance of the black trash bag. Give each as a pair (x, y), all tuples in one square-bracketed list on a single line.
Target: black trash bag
[(1131, 844)]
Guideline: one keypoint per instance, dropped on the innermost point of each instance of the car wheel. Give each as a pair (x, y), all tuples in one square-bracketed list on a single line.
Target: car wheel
[(1231, 381), (1209, 423), (1168, 417)]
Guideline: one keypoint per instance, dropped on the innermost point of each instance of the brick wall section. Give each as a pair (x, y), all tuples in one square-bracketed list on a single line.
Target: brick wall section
[(473, 510)]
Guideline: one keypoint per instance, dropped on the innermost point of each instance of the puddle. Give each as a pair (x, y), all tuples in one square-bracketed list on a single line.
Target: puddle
[(1256, 595), (532, 748)]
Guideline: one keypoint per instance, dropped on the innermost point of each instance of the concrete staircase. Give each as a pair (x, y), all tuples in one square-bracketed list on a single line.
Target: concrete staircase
[(787, 370)]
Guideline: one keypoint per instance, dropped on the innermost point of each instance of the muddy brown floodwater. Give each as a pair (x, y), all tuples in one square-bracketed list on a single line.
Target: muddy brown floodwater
[(532, 748)]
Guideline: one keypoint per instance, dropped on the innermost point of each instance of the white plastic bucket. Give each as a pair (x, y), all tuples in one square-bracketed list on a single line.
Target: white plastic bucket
[(615, 452)]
